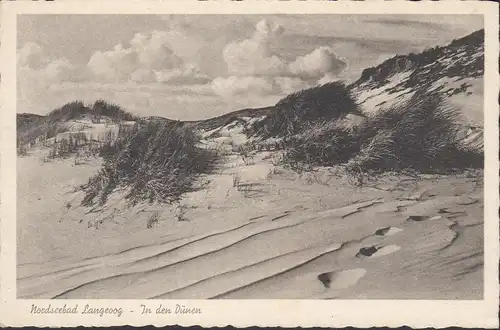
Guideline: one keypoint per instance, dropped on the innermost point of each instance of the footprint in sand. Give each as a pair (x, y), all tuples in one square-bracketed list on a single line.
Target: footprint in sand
[(388, 231), (341, 279), (375, 251), (469, 201), (418, 218), (450, 214)]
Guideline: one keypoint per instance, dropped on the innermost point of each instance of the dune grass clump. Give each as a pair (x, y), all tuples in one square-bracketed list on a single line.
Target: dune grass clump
[(322, 144), (113, 111), (63, 148), (422, 135), (155, 161), (318, 104), (68, 111)]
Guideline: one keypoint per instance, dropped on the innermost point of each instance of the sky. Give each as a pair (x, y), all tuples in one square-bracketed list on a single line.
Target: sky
[(193, 67)]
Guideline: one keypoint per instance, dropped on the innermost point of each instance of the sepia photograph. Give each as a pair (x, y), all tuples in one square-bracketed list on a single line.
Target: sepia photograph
[(243, 156), (163, 160)]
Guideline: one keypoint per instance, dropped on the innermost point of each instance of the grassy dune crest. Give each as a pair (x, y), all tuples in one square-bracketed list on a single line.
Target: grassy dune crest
[(30, 127)]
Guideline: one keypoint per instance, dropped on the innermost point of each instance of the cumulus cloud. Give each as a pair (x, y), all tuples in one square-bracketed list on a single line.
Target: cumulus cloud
[(187, 102), (146, 63), (318, 63), (31, 55), (113, 65), (252, 64), (253, 56), (55, 71), (190, 74), (33, 61), (289, 85), (153, 52), (232, 86), (260, 69), (148, 59), (326, 79), (37, 73)]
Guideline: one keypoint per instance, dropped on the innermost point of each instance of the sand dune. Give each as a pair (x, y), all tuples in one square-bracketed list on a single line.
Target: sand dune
[(276, 235)]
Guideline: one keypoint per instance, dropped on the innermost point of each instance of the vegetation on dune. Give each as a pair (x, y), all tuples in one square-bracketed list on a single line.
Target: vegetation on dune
[(76, 109), (158, 160), (64, 148), (155, 161), (320, 144), (113, 111), (422, 134), (326, 102), (68, 111), (463, 57), (30, 127)]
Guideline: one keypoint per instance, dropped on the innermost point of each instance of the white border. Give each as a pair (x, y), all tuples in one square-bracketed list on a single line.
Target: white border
[(242, 313)]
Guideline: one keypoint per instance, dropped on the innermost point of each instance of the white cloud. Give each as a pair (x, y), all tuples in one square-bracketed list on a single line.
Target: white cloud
[(176, 102), (253, 56), (148, 59), (318, 63), (31, 55), (154, 53), (32, 61), (60, 70), (113, 65), (233, 86), (252, 64), (326, 79), (37, 73), (189, 75), (289, 85), (142, 76), (54, 72), (259, 72)]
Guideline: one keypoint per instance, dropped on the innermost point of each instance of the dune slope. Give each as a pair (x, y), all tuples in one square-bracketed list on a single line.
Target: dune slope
[(276, 234)]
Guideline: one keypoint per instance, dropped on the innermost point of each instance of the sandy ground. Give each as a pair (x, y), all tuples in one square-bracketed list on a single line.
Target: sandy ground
[(276, 234)]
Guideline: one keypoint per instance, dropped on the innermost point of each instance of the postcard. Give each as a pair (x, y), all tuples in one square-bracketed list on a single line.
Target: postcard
[(254, 163)]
